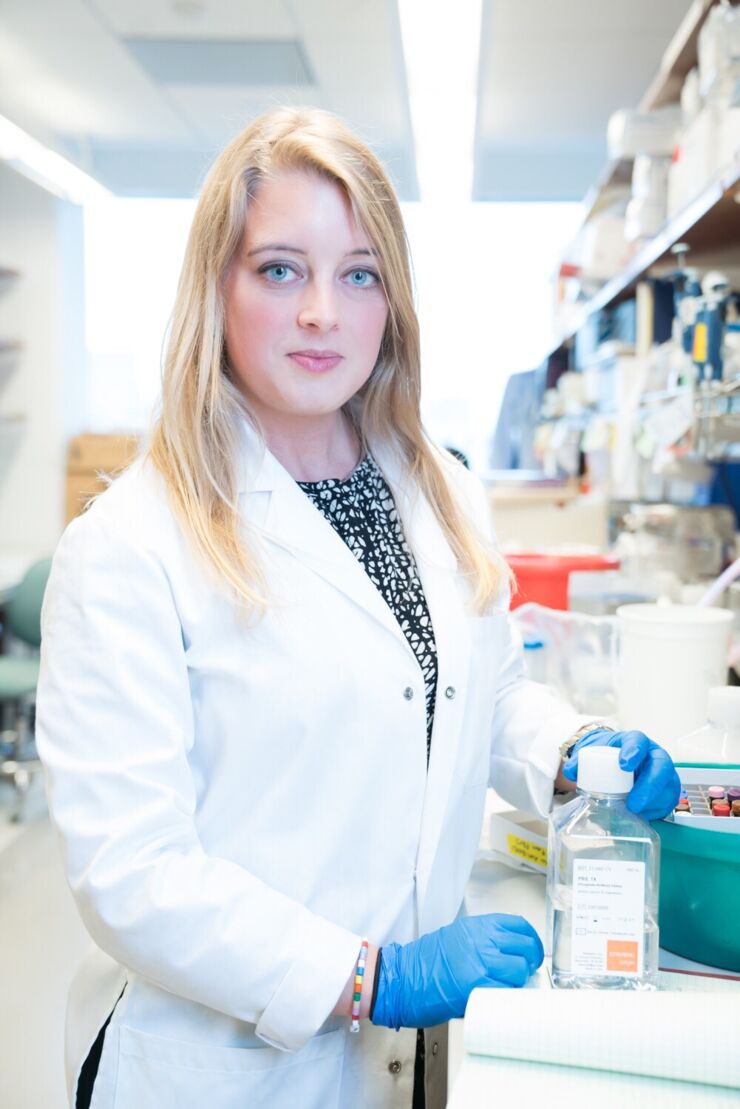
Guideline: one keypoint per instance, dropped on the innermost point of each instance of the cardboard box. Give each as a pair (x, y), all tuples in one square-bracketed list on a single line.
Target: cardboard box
[(91, 461), (109, 453), (80, 488)]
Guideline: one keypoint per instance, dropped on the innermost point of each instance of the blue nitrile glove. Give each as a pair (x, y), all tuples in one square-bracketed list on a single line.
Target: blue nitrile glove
[(428, 981), (657, 785)]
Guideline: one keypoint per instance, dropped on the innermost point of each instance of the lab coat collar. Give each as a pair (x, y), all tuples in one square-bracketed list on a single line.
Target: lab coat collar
[(275, 506), (259, 472)]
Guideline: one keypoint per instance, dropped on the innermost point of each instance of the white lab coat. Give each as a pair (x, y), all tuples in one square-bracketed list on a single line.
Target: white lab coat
[(239, 804)]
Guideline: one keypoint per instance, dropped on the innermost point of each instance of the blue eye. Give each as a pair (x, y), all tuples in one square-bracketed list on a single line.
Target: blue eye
[(278, 272), (363, 279)]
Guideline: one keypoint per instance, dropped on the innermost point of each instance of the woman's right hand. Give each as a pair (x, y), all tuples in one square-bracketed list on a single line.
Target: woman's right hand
[(429, 980)]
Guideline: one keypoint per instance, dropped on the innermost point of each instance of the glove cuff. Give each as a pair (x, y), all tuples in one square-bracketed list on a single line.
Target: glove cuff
[(385, 1009), (376, 978)]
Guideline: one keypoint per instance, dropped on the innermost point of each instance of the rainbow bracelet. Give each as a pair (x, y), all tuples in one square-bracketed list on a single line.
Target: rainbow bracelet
[(357, 996)]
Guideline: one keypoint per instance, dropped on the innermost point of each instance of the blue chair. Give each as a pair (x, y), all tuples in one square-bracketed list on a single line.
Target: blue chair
[(18, 678)]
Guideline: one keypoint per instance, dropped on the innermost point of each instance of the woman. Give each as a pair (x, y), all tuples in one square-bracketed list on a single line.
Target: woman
[(278, 676)]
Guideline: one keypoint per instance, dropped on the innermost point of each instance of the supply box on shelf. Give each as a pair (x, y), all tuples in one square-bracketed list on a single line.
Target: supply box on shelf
[(91, 460)]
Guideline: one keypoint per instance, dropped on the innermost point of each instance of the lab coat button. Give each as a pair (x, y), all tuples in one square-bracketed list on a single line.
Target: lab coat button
[(394, 1066), (435, 1048), (450, 692), (408, 693)]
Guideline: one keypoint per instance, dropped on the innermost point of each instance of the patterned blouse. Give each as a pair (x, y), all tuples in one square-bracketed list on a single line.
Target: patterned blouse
[(362, 511)]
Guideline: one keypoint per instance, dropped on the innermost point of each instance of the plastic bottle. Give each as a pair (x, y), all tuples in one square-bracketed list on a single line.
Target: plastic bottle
[(602, 883), (535, 660), (719, 739)]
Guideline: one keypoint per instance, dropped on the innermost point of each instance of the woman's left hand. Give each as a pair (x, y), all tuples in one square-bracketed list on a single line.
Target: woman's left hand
[(657, 786)]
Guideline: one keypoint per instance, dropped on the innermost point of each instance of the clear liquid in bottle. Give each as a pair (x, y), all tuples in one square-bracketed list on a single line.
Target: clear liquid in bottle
[(602, 883)]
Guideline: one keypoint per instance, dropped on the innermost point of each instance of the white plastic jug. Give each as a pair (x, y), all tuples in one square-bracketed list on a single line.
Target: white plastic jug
[(669, 656)]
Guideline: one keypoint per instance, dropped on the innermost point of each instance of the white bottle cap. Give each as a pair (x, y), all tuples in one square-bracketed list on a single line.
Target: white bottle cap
[(599, 771), (723, 705)]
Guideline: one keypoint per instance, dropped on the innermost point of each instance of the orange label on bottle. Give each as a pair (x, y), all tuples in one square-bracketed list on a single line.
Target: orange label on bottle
[(621, 955)]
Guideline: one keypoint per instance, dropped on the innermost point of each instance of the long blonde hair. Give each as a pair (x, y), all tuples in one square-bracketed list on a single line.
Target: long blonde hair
[(195, 438)]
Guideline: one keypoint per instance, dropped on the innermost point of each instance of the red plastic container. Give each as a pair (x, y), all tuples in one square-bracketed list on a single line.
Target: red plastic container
[(543, 578)]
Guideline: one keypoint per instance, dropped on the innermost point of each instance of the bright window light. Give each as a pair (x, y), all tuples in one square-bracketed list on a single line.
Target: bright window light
[(133, 254), (441, 50), (45, 167)]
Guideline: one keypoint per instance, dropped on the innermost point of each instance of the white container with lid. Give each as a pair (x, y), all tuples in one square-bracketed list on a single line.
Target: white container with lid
[(719, 739), (669, 658)]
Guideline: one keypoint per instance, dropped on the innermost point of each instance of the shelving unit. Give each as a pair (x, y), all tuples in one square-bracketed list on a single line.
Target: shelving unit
[(665, 88), (11, 431), (710, 222), (616, 172), (11, 424), (9, 355), (678, 59)]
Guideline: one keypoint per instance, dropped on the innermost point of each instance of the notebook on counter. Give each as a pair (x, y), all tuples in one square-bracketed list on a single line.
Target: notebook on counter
[(678, 1044)]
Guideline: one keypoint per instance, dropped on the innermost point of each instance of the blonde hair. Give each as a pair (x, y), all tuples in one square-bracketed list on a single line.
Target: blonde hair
[(195, 438)]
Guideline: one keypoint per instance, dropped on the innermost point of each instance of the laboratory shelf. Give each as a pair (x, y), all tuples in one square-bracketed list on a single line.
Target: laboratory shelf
[(9, 356), (678, 58), (665, 88), (11, 433), (8, 277), (709, 222), (618, 171)]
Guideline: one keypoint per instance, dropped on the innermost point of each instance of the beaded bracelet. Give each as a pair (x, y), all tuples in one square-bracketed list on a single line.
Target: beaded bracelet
[(359, 975)]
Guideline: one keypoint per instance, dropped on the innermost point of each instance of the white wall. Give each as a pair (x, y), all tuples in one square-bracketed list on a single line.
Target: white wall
[(42, 238)]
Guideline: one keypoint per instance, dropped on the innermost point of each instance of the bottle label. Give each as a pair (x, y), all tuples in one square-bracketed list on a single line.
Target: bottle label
[(608, 933)]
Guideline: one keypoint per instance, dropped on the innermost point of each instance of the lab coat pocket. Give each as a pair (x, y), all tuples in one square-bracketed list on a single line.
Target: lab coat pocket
[(156, 1072)]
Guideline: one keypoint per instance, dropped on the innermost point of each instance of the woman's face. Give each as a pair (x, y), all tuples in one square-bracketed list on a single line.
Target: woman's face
[(304, 308)]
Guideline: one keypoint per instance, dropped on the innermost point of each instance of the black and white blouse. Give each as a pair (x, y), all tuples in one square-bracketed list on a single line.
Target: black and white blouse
[(362, 511)]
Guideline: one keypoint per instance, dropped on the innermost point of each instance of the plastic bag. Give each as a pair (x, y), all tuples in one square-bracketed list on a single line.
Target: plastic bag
[(580, 654)]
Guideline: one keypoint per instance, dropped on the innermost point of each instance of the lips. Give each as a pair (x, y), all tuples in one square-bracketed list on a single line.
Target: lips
[(316, 361)]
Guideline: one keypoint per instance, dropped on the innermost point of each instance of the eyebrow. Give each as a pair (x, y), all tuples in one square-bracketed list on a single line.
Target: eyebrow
[(297, 250)]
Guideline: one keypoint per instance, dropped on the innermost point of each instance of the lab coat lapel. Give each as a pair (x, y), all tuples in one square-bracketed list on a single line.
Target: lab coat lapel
[(441, 581), (275, 506), (278, 509)]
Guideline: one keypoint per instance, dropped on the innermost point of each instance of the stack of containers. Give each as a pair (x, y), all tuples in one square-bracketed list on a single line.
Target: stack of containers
[(648, 208), (710, 103), (649, 139)]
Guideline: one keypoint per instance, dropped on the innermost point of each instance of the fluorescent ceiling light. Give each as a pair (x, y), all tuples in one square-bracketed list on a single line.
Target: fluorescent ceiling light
[(441, 46), (47, 168)]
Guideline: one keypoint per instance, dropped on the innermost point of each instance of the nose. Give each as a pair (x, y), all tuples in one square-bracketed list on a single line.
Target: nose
[(318, 310)]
